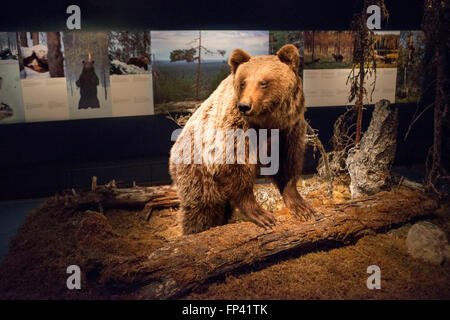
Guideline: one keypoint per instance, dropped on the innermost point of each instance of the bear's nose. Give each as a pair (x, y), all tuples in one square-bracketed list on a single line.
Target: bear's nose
[(244, 107)]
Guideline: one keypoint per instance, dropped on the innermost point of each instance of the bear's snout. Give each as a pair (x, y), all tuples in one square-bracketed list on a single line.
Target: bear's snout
[(244, 107)]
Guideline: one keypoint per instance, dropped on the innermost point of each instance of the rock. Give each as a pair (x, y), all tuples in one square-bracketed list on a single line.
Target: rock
[(428, 242), (401, 232), (268, 196), (369, 162)]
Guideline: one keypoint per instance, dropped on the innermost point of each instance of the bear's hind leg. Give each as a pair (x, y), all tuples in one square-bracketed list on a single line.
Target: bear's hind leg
[(203, 217)]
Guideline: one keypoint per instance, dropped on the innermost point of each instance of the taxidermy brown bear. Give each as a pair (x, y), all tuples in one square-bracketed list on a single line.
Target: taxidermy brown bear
[(262, 92), (88, 83)]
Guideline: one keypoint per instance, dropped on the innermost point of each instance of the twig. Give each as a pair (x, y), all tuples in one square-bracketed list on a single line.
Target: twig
[(415, 120), (319, 145)]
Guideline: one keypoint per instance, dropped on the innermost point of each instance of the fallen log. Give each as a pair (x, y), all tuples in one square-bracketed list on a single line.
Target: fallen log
[(108, 196), (185, 263)]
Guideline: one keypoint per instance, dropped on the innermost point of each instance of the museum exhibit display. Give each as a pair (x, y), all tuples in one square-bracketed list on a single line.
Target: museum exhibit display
[(154, 160)]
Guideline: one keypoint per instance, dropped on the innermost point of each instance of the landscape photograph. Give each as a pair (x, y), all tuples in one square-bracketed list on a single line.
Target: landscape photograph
[(187, 66), (386, 48), (328, 49)]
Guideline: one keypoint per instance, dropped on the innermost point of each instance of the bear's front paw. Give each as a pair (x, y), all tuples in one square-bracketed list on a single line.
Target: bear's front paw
[(261, 217), (303, 210)]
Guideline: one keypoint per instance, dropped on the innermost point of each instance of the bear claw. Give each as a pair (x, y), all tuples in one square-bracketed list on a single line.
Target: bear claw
[(263, 219), (305, 212)]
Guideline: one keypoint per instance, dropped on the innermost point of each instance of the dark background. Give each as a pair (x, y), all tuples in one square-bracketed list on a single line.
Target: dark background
[(38, 159), (26, 15)]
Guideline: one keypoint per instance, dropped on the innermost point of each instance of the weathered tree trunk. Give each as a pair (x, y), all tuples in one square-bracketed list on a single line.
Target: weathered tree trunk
[(55, 56), (189, 261), (19, 50), (23, 39), (369, 162), (436, 27), (199, 61), (35, 38), (339, 43)]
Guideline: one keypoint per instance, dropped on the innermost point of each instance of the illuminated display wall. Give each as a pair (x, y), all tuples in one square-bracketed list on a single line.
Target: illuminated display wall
[(46, 76)]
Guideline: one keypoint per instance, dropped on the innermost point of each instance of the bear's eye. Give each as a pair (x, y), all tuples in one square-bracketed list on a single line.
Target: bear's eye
[(242, 84), (263, 84)]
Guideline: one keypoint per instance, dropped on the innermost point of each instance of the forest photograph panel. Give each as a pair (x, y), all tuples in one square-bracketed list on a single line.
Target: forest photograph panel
[(410, 66), (11, 102), (40, 55), (328, 49), (386, 48), (8, 47), (129, 52), (87, 73), (277, 39), (130, 76), (187, 66)]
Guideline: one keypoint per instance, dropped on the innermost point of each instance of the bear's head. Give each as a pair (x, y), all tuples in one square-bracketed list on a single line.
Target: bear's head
[(268, 90), (88, 65)]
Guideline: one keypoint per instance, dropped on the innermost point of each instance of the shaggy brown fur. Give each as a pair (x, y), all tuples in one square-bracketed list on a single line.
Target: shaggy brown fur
[(262, 92)]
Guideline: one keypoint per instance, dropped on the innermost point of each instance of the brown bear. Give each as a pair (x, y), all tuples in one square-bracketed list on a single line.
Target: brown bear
[(338, 57), (141, 62), (88, 82), (262, 92)]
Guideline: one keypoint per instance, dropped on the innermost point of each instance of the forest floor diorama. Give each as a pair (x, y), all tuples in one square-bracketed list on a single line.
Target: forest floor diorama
[(134, 252)]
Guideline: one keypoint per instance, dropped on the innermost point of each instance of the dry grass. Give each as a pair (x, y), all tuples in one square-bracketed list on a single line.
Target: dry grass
[(50, 240)]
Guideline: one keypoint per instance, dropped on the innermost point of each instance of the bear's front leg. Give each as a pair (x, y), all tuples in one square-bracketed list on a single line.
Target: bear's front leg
[(291, 148), (246, 202), (295, 202)]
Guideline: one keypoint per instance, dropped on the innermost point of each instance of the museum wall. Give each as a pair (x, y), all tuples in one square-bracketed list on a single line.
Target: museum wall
[(54, 136), (39, 159)]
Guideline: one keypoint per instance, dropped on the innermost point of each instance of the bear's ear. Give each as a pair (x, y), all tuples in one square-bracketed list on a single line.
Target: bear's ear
[(237, 57), (82, 62), (289, 54), (93, 61)]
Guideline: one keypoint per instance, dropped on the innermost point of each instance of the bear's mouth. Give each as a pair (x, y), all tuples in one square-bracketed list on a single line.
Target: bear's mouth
[(248, 114)]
